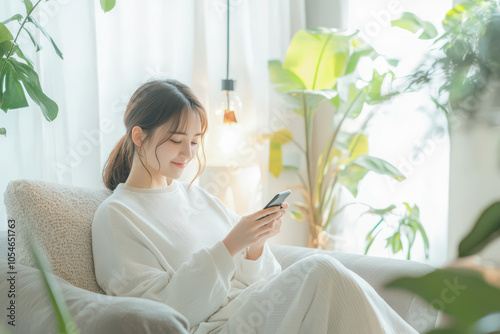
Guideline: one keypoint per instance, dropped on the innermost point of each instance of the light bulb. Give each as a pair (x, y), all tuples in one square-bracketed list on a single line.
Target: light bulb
[(229, 111), (227, 133)]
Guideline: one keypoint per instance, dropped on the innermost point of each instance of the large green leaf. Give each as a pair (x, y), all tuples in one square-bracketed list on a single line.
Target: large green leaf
[(64, 319), (32, 85), (33, 40), (16, 17), (13, 97), (5, 34), (36, 24), (310, 99), (351, 176), (3, 132), (284, 80), (379, 166), (278, 139), (461, 293), (29, 6), (8, 45), (486, 229), (414, 24), (324, 61), (107, 5)]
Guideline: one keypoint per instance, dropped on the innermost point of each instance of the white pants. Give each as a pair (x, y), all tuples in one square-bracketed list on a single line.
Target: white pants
[(316, 295)]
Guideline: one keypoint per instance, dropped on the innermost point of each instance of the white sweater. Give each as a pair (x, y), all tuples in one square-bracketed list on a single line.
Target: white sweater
[(165, 244)]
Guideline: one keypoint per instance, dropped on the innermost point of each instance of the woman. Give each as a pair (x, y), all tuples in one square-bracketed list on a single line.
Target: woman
[(159, 238)]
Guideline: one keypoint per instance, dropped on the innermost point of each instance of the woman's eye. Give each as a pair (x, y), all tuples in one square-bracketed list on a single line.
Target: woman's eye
[(178, 142)]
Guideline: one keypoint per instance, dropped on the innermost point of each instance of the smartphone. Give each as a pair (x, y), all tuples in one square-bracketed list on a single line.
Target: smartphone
[(277, 200)]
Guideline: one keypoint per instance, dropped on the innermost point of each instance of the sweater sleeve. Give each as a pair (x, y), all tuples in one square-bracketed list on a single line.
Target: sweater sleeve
[(251, 271), (125, 265)]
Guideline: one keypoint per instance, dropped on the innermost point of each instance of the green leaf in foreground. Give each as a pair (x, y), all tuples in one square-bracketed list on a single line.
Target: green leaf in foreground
[(486, 229), (461, 293), (64, 320)]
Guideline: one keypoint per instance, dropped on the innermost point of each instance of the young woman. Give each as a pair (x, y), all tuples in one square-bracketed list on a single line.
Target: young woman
[(163, 239)]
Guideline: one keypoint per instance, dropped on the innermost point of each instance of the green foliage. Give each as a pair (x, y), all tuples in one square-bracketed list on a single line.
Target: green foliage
[(409, 226), (64, 320), (464, 58), (414, 24), (463, 293), (320, 67), (17, 74), (486, 229), (107, 5)]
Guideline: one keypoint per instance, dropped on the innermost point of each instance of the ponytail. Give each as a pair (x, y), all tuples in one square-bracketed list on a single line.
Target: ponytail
[(117, 167)]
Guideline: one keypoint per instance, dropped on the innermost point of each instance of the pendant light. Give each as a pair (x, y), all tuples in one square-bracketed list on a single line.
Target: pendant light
[(229, 111), (228, 133)]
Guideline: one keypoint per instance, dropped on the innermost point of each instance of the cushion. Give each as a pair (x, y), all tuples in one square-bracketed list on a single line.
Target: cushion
[(60, 220), (91, 312)]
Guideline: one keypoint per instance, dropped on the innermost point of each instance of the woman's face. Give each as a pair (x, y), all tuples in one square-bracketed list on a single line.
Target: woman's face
[(176, 152)]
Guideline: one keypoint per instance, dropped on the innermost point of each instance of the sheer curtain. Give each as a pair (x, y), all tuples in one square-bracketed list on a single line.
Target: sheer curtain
[(108, 55)]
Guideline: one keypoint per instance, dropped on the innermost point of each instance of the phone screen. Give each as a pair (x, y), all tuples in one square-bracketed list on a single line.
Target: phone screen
[(277, 200)]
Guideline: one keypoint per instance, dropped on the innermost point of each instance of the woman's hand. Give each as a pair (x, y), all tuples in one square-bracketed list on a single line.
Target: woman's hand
[(276, 223), (255, 250), (262, 224)]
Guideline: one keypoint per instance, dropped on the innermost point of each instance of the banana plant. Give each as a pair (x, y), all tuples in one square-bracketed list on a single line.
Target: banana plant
[(17, 73), (320, 67)]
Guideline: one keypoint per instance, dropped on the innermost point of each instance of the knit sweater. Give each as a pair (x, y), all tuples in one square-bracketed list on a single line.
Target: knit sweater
[(165, 244)]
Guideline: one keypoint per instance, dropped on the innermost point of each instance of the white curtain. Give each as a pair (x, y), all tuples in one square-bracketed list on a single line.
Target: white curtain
[(108, 55)]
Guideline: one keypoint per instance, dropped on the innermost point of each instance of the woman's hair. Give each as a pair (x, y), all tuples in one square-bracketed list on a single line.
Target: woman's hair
[(153, 105)]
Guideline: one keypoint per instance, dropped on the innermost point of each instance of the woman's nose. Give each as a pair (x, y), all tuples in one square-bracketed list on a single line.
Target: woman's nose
[(187, 151)]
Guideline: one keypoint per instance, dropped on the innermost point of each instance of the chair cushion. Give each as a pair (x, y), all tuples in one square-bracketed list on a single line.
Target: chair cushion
[(60, 220), (91, 312)]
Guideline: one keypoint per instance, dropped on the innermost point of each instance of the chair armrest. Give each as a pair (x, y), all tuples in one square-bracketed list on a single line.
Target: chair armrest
[(91, 312), (377, 271)]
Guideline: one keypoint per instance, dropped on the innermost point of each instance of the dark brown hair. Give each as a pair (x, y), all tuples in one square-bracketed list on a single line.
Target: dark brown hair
[(153, 105)]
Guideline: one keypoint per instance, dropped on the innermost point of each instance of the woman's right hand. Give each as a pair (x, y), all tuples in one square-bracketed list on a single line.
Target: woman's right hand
[(250, 229)]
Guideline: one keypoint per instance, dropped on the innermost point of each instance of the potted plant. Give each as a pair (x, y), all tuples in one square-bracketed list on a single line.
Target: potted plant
[(320, 68)]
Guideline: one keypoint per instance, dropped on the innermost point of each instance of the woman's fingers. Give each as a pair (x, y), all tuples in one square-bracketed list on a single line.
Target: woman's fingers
[(264, 212)]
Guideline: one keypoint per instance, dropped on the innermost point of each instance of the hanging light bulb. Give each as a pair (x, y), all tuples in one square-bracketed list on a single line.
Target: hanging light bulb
[(228, 131), (229, 111), (229, 116)]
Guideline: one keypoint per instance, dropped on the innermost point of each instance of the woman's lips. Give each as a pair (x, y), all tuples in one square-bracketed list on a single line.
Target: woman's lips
[(179, 165)]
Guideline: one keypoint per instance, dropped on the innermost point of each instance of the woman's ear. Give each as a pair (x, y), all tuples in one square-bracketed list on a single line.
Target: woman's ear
[(137, 135)]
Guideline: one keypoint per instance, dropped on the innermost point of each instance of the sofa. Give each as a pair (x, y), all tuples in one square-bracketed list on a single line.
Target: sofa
[(59, 217)]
